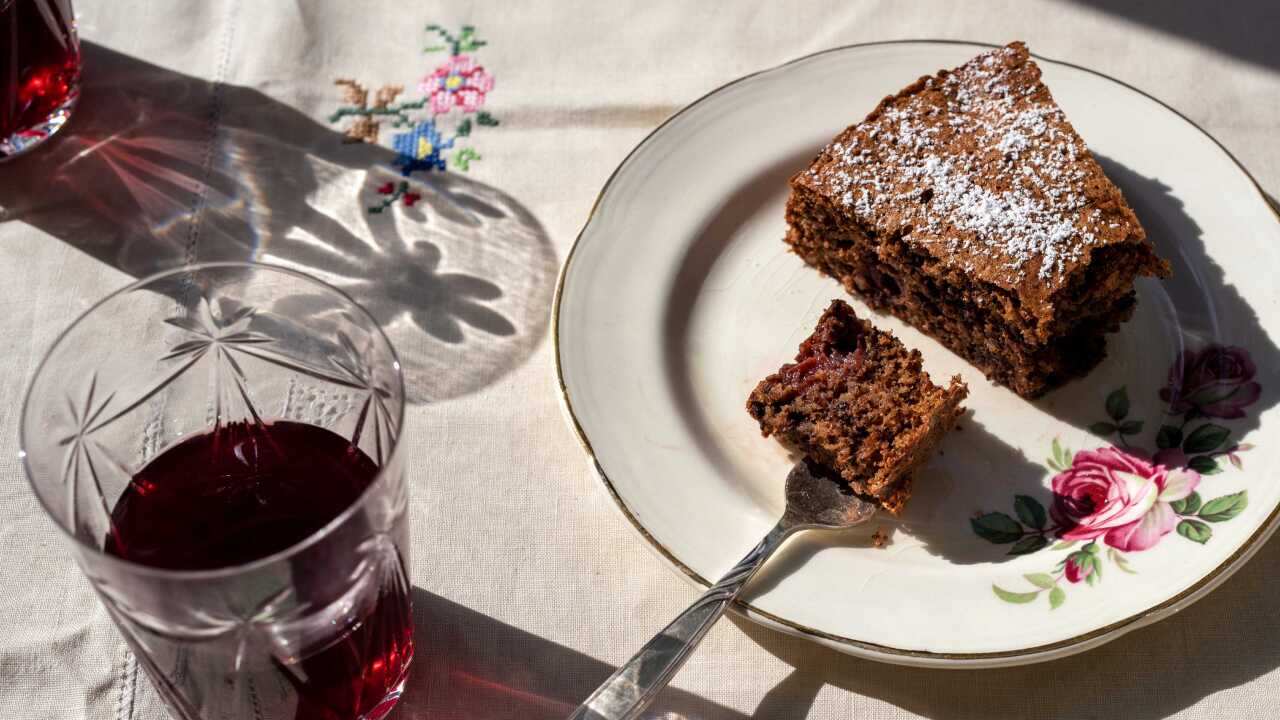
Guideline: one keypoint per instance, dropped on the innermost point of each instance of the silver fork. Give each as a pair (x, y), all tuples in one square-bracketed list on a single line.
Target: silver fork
[(813, 502)]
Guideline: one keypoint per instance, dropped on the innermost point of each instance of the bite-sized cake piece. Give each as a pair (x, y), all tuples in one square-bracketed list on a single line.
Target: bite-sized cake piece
[(859, 404), (968, 206)]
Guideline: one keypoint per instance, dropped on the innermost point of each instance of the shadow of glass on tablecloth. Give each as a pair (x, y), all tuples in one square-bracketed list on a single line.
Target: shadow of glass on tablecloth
[(158, 169), (468, 666)]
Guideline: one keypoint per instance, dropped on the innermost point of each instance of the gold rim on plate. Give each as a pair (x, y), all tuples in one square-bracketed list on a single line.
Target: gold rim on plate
[(1078, 643)]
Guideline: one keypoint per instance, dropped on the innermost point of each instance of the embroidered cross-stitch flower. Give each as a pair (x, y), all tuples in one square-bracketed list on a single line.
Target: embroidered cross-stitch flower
[(458, 82), (393, 192), (421, 148)]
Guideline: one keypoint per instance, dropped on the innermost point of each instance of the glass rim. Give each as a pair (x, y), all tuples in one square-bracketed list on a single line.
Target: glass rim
[(257, 563)]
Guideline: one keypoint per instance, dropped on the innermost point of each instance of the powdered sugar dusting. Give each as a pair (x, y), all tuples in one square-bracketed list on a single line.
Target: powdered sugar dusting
[(982, 161)]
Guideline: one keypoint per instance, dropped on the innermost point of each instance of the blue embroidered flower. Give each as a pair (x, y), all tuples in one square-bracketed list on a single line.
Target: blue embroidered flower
[(422, 148)]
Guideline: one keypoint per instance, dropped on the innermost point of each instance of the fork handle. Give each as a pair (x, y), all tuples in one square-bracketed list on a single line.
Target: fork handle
[(630, 690)]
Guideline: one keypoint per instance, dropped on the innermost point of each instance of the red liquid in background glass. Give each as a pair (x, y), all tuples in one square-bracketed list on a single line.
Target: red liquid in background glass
[(39, 61), (243, 492)]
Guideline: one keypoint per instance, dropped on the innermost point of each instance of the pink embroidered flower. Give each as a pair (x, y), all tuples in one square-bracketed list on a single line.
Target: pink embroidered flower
[(458, 82), (1121, 498), (1217, 381)]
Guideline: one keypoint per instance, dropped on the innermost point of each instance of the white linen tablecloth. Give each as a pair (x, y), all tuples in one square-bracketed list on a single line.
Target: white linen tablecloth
[(217, 114)]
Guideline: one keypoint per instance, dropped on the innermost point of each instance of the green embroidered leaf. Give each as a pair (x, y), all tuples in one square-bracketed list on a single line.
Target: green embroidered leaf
[(484, 118), (1195, 530), (1064, 544), (1029, 511), (467, 41), (1204, 465), (1226, 507), (1053, 465), (1040, 580), (996, 527), (1205, 438), (1028, 545), (1102, 428), (464, 128), (1131, 427), (462, 158), (1092, 578), (1014, 597), (1188, 505), (1093, 548), (444, 35), (1169, 436), (1056, 598)]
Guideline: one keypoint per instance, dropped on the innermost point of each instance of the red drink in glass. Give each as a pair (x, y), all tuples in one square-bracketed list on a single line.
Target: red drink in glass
[(39, 71), (247, 490), (257, 567)]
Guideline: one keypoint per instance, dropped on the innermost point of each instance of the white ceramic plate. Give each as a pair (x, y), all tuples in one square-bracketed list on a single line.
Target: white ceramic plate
[(680, 295)]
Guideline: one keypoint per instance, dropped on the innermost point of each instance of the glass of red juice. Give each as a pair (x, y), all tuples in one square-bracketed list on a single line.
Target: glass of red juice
[(39, 72), (221, 444)]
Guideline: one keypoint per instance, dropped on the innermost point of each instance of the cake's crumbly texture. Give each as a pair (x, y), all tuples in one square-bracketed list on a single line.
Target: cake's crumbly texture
[(968, 206), (858, 403)]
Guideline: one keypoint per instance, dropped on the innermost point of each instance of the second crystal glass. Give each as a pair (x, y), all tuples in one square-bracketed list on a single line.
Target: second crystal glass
[(39, 71)]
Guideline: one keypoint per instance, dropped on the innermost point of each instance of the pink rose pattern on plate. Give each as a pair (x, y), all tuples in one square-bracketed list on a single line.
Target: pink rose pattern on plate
[(1215, 382), (1121, 499)]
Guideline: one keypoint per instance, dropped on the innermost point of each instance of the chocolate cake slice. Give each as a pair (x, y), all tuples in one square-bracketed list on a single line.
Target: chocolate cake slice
[(968, 206), (858, 403)]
